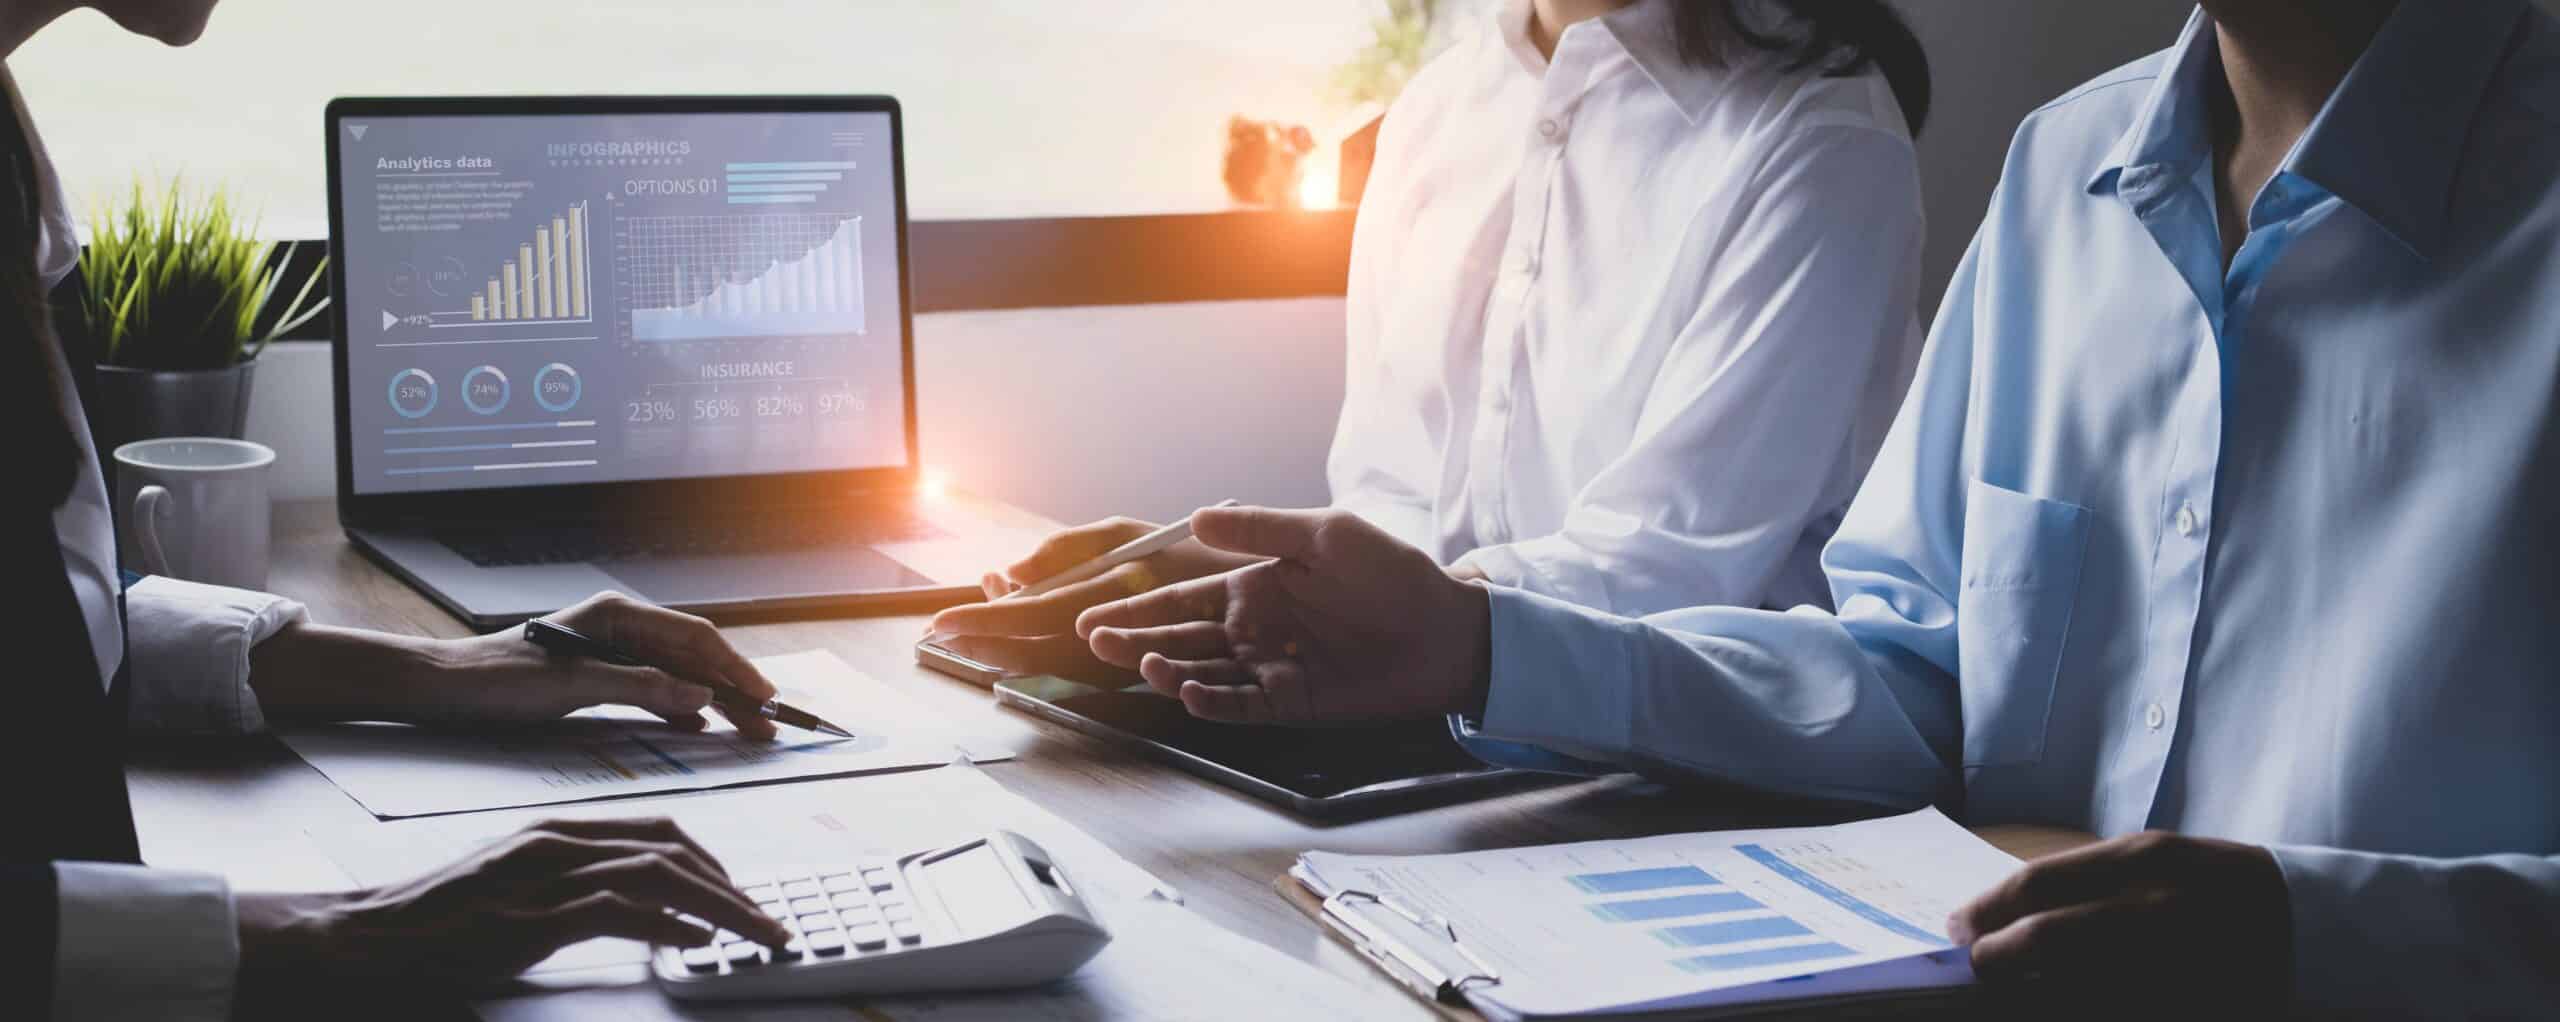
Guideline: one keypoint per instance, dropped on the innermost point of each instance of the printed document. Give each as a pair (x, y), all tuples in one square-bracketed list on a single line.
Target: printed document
[(396, 770), (1683, 920)]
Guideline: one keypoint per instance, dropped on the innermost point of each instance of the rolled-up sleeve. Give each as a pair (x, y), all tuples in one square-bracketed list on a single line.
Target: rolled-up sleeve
[(187, 654), (134, 942)]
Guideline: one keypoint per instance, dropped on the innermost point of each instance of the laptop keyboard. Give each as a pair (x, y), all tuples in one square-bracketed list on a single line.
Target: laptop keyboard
[(561, 544)]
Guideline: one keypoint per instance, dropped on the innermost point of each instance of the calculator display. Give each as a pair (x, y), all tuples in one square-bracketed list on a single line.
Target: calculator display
[(977, 889)]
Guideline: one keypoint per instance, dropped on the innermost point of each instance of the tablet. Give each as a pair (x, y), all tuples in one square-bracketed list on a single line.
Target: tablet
[(1319, 771)]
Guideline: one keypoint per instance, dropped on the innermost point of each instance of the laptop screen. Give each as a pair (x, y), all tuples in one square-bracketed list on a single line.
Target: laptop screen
[(546, 299)]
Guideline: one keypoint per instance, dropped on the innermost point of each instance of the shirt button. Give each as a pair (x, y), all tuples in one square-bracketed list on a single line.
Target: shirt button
[(2154, 715), (2186, 525), (1549, 128)]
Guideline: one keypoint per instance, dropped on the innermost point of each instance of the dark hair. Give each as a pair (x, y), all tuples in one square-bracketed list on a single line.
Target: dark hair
[(43, 452), (1841, 37)]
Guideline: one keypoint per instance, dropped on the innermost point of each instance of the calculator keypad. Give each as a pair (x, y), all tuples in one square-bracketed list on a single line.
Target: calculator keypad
[(830, 914)]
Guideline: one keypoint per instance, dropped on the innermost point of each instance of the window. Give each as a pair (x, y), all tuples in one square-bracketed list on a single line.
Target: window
[(1015, 108)]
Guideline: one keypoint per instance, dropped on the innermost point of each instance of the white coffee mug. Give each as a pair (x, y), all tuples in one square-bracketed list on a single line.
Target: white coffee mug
[(195, 508)]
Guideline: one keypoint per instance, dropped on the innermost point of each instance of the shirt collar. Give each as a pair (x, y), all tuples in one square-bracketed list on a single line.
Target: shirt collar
[(1641, 30), (2388, 142)]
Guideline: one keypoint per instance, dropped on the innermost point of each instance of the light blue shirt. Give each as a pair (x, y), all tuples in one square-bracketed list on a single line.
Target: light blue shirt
[(2259, 554)]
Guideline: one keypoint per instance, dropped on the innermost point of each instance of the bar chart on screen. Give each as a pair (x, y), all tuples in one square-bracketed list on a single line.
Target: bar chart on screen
[(694, 278)]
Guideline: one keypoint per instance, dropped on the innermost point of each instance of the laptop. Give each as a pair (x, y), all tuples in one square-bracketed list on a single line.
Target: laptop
[(661, 345)]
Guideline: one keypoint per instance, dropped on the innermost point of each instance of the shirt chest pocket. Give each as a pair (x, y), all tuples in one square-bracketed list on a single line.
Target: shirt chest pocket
[(2021, 578)]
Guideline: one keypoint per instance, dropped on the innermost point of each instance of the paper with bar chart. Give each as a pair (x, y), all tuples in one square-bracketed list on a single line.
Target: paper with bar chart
[(609, 751), (583, 298), (1694, 920)]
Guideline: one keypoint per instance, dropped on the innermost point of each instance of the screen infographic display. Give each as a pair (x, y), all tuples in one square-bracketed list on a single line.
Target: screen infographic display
[(547, 299)]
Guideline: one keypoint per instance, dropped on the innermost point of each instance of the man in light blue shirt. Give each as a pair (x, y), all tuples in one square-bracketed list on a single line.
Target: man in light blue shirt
[(2227, 519)]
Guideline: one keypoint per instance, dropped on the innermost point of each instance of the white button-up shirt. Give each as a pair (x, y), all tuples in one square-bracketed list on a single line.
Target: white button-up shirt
[(132, 942), (1625, 331)]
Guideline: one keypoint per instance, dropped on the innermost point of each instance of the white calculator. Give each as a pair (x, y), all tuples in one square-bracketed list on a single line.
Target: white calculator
[(987, 913)]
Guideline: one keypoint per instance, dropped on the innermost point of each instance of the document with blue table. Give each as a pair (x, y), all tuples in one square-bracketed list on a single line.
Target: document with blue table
[(1681, 923)]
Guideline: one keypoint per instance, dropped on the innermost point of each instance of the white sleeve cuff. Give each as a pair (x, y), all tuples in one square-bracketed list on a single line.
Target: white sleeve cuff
[(136, 942), (187, 654)]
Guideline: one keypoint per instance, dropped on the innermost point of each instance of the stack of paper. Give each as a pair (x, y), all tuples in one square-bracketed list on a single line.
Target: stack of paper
[(1164, 962), (609, 751), (1686, 922)]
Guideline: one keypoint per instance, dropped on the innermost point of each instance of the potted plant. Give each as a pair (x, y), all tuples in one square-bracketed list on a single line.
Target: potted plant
[(181, 296)]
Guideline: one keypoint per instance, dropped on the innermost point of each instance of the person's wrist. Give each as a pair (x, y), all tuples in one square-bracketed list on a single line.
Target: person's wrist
[(1474, 631), (288, 938), (318, 672)]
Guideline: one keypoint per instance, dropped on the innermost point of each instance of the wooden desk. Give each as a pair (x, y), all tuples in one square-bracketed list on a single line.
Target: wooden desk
[(219, 805)]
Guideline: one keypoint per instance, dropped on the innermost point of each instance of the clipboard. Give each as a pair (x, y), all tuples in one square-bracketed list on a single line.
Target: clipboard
[(1419, 982), (1889, 1006)]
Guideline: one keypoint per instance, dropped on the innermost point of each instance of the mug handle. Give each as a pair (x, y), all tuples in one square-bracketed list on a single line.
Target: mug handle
[(148, 503)]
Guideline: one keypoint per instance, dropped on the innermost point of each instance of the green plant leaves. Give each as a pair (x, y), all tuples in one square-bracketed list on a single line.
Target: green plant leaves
[(179, 281)]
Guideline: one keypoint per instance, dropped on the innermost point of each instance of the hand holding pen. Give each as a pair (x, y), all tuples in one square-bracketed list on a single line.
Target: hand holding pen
[(750, 708)]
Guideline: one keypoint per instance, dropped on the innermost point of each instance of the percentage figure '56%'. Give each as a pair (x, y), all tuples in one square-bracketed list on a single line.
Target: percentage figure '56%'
[(713, 409)]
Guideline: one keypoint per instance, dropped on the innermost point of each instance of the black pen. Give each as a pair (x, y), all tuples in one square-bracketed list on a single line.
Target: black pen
[(560, 640)]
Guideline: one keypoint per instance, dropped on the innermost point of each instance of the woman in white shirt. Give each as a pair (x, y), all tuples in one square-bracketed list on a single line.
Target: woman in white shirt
[(1633, 297), (93, 934)]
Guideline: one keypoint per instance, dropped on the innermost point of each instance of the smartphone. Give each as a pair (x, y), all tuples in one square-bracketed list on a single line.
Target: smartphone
[(957, 666)]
